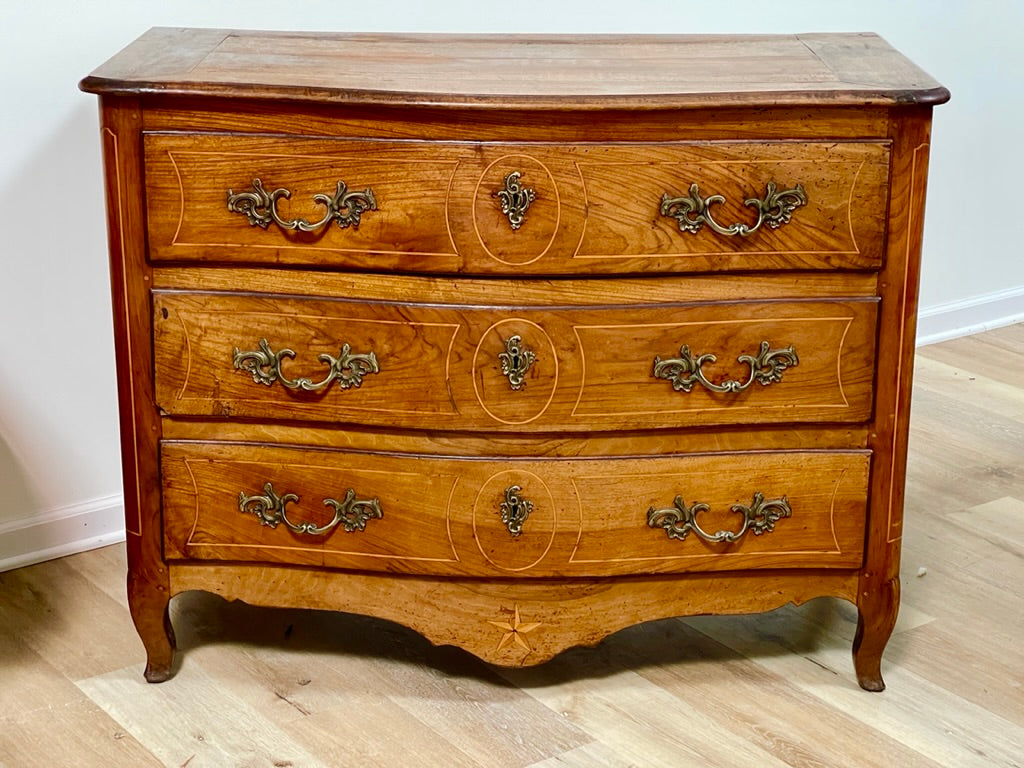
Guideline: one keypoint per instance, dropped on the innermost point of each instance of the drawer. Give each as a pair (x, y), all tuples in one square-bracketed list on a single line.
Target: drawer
[(494, 516), (505, 208), (513, 368)]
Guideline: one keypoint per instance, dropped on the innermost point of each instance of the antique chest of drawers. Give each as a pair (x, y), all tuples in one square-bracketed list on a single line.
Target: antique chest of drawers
[(516, 341)]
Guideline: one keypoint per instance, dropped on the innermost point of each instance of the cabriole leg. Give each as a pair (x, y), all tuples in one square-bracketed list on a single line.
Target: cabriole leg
[(149, 605), (877, 609)]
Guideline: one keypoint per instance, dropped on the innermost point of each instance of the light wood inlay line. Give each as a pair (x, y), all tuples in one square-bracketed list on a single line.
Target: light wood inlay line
[(276, 317), (268, 320), (181, 196), (849, 205), (579, 528), (318, 548), (558, 210), (175, 241), (690, 482), (448, 519), (856, 250), (832, 509), (583, 368), (839, 363), (686, 254), (548, 501), (277, 247), (114, 153), (586, 203), (895, 525), (844, 116), (705, 163), (704, 324), (195, 495), (448, 368), (553, 363), (321, 550), (448, 207), (188, 355)]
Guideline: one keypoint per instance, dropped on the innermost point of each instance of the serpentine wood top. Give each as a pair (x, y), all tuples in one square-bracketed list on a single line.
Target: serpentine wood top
[(519, 71)]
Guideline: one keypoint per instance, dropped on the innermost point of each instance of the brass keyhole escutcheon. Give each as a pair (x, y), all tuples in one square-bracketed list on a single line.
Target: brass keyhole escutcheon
[(515, 509), (516, 361), (515, 199)]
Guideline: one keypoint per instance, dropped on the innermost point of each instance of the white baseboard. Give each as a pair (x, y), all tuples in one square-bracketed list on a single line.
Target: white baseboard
[(62, 531), (973, 315)]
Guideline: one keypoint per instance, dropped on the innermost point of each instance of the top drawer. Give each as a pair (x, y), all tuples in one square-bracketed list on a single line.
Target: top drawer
[(498, 208)]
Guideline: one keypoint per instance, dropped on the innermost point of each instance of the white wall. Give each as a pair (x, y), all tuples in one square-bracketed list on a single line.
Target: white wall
[(58, 433)]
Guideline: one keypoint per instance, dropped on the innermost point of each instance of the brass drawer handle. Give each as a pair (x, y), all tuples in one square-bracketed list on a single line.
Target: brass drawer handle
[(516, 361), (760, 517), (774, 209), (685, 371), (265, 366), (515, 509), (260, 207), (515, 199), (352, 513)]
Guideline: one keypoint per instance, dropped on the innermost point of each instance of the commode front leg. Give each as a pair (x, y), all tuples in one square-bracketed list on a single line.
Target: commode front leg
[(877, 608), (149, 605)]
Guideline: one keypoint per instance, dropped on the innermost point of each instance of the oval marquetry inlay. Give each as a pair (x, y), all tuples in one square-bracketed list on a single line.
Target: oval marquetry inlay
[(533, 237), (496, 544), (492, 385)]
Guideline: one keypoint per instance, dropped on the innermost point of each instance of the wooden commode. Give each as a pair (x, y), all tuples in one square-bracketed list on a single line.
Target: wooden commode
[(516, 341)]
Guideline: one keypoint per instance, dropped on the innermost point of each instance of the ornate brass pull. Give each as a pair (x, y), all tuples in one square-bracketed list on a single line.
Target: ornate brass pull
[(265, 366), (760, 517), (516, 361), (685, 371), (515, 199), (515, 510), (260, 207), (774, 209), (352, 513)]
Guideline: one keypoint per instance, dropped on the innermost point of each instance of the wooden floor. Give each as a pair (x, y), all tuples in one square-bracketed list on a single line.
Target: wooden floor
[(262, 687)]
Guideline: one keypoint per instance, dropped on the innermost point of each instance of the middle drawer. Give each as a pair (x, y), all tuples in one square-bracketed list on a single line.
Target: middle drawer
[(559, 368)]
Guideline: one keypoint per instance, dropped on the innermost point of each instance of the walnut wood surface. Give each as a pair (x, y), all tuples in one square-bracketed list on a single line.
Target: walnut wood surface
[(440, 366), (429, 124), (596, 207), (551, 292), (553, 72), (148, 592), (523, 444), (879, 589), (771, 689), (553, 614), (589, 517), (163, 113)]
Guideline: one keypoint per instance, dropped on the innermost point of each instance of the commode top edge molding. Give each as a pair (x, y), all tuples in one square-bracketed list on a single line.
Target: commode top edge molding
[(546, 72)]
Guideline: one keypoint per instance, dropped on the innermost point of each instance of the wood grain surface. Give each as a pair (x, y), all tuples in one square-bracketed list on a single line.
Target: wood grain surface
[(543, 71), (485, 617), (240, 321), (440, 368), (131, 277), (879, 593), (764, 437), (664, 289), (444, 516), (596, 207), (320, 688), (169, 113)]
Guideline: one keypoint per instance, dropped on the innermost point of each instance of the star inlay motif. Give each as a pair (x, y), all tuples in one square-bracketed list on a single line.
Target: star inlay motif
[(514, 629)]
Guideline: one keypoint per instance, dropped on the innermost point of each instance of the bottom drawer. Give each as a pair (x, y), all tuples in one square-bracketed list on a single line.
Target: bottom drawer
[(492, 516)]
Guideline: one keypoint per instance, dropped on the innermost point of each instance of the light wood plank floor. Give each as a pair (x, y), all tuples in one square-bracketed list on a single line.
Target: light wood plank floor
[(262, 687)]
